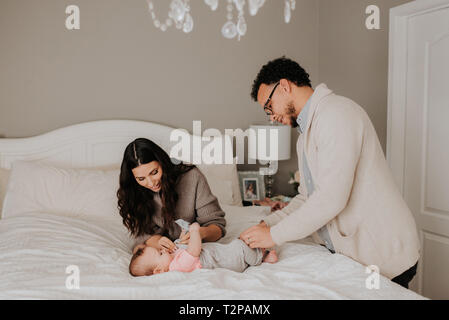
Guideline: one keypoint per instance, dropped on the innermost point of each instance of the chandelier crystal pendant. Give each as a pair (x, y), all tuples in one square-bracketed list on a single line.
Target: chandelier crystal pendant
[(179, 15), (290, 5)]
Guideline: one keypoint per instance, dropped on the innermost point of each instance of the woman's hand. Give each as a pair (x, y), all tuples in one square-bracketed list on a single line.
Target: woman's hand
[(194, 227), (195, 242), (167, 244), (210, 233), (184, 238)]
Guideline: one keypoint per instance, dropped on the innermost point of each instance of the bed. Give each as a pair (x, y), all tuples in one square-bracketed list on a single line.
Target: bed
[(60, 222)]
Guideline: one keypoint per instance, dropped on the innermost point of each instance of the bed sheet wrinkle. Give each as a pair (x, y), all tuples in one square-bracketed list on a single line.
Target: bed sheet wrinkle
[(223, 278)]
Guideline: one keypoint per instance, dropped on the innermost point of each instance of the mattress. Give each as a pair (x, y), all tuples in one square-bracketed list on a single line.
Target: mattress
[(39, 252)]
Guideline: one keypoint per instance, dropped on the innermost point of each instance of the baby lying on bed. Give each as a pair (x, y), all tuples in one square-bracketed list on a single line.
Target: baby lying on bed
[(236, 256)]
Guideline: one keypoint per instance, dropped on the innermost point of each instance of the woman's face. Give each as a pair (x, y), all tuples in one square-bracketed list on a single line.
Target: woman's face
[(149, 175)]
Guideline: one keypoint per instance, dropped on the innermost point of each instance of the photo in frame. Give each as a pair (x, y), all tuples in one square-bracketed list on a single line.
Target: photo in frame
[(252, 185)]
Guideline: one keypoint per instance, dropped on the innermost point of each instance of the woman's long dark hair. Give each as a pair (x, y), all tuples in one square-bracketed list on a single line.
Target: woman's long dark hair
[(135, 202)]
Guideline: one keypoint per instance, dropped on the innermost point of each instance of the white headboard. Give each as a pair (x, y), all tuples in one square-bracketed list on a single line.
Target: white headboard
[(85, 145)]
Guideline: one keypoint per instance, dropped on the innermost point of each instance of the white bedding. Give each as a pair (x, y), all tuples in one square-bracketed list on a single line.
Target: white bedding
[(36, 248)]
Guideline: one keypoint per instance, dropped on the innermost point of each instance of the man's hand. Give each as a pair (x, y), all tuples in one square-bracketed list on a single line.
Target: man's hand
[(258, 236), (274, 205), (278, 205)]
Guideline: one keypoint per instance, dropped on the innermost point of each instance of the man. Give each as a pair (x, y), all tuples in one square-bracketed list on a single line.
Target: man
[(348, 199)]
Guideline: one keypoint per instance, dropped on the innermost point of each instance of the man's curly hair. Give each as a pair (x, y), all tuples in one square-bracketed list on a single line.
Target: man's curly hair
[(281, 68)]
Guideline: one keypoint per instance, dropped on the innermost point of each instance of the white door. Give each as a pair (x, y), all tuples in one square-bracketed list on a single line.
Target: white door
[(425, 177)]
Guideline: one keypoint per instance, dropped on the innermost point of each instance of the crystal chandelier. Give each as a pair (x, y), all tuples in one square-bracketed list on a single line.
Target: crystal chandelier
[(179, 15)]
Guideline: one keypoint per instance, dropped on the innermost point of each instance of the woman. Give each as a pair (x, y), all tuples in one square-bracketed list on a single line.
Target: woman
[(154, 192), (249, 194)]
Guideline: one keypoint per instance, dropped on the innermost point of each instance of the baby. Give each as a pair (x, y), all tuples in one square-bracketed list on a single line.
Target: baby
[(236, 256)]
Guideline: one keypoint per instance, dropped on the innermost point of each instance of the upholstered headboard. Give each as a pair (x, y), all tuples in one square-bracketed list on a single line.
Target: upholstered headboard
[(101, 144), (85, 145)]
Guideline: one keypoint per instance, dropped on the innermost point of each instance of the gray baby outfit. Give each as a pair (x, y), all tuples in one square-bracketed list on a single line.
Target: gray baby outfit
[(235, 256)]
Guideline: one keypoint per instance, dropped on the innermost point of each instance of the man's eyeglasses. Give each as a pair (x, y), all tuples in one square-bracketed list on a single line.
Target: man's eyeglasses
[(268, 110)]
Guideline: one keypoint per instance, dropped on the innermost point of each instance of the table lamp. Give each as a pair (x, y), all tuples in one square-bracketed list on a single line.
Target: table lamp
[(270, 143)]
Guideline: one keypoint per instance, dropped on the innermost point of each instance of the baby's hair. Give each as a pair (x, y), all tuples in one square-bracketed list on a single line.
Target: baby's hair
[(132, 264), (134, 257)]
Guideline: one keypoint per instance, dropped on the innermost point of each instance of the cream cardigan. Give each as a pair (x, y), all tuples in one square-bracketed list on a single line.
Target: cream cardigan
[(355, 195)]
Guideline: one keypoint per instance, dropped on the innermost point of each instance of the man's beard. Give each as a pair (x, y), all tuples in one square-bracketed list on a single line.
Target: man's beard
[(291, 113)]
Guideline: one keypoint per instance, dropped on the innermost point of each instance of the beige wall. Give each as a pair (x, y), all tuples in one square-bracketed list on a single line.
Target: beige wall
[(118, 66), (353, 61)]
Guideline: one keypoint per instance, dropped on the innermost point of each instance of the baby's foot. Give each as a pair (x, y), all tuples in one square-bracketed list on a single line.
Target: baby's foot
[(271, 257)]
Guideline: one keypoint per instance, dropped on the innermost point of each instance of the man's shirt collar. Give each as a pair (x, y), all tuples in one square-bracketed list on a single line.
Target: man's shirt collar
[(302, 117)]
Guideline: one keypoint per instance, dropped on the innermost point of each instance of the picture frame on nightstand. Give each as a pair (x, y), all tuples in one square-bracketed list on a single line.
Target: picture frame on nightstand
[(252, 185)]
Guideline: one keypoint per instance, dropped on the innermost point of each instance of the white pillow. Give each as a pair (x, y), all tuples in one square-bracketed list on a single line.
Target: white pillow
[(223, 181), (238, 219), (4, 177), (85, 193)]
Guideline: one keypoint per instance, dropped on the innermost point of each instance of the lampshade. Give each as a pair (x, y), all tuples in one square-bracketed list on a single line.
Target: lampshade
[(269, 142)]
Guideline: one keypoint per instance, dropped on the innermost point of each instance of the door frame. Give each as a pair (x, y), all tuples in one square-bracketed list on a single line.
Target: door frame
[(397, 85)]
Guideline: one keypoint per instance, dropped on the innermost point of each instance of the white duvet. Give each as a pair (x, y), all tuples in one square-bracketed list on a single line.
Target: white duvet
[(36, 249)]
